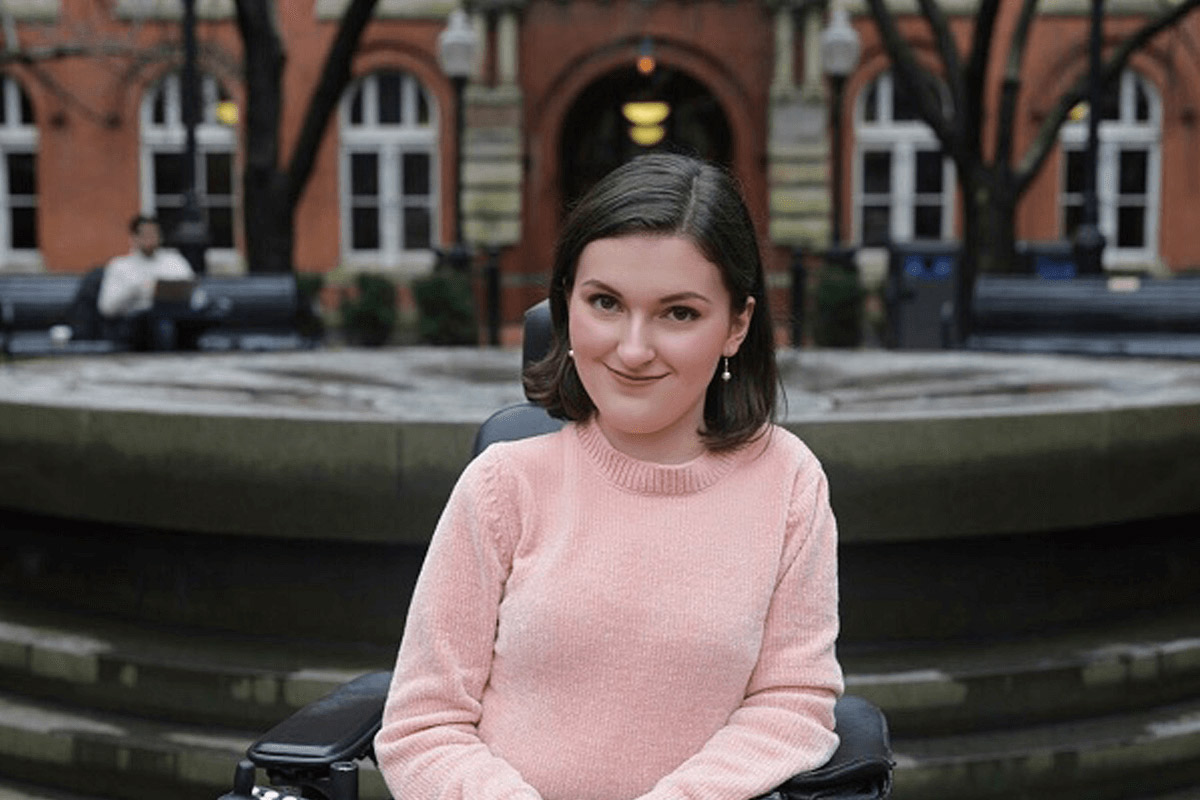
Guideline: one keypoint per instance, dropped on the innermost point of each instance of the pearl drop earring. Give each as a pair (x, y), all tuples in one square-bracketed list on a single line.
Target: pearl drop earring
[(726, 375)]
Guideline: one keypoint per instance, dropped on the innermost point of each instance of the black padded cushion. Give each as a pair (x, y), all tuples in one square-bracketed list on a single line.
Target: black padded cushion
[(338, 727), (861, 767)]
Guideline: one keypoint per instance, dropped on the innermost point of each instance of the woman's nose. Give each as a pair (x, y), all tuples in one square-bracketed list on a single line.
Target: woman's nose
[(635, 347)]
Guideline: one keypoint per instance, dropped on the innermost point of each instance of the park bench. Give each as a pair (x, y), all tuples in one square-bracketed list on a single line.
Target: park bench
[(1047, 308), (252, 312), (1087, 315), (31, 304)]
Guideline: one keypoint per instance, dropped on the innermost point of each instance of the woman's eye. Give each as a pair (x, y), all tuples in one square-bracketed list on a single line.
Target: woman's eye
[(604, 302), (682, 313)]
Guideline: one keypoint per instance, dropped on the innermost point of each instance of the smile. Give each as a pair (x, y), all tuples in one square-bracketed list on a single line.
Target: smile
[(639, 380)]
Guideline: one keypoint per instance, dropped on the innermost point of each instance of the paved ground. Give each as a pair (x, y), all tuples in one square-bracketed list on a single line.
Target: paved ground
[(418, 384)]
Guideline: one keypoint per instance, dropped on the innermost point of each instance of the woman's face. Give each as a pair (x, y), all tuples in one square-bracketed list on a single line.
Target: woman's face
[(650, 319)]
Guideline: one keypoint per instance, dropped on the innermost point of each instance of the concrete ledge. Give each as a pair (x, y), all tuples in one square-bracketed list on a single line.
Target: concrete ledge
[(365, 445)]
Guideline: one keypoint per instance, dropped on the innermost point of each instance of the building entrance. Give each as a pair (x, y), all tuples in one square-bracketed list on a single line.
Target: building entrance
[(670, 111)]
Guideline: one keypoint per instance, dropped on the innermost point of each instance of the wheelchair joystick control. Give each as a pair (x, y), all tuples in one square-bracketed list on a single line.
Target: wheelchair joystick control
[(243, 782), (343, 780)]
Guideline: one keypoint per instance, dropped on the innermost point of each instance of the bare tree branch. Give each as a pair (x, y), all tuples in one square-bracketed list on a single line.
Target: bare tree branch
[(914, 78), (335, 75), (947, 49), (1047, 135), (1011, 83)]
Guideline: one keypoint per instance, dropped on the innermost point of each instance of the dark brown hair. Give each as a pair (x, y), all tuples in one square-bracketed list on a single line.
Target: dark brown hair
[(670, 195)]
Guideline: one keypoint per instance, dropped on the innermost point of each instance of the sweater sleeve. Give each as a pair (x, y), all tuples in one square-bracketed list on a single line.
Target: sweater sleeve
[(429, 746), (785, 723), (121, 290)]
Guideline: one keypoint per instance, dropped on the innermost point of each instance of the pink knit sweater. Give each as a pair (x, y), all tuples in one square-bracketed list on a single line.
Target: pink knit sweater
[(591, 627)]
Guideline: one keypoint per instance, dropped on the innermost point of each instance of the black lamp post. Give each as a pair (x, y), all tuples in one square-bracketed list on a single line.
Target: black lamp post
[(457, 48), (1089, 241), (839, 56), (191, 233)]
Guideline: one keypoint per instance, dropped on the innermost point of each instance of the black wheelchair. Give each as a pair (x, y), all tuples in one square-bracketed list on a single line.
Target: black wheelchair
[(315, 753)]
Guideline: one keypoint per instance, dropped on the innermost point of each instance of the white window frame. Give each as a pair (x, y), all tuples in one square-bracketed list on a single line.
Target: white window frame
[(170, 136), (390, 143), (903, 139), (1113, 135), (18, 134)]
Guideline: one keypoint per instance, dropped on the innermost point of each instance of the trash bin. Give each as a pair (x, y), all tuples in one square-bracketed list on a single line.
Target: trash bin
[(1049, 260), (919, 293)]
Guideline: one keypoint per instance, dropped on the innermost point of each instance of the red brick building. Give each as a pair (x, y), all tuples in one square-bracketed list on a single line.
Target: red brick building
[(91, 130)]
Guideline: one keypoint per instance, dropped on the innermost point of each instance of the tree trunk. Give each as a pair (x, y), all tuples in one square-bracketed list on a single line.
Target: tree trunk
[(989, 207), (266, 211)]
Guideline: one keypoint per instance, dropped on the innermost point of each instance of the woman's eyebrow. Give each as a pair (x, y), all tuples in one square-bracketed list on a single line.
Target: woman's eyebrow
[(596, 283), (679, 297)]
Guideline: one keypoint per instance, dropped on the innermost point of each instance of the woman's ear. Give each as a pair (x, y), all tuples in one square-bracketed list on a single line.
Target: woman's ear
[(739, 326)]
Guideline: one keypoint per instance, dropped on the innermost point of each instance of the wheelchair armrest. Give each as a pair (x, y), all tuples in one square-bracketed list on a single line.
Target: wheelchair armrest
[(860, 768), (339, 727)]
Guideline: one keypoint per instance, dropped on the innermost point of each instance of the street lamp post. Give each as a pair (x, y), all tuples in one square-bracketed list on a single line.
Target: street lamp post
[(191, 233), (839, 56), (457, 48), (1089, 241)]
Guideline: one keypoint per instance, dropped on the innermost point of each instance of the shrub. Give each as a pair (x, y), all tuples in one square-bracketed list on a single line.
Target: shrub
[(446, 307), (369, 315), (839, 307)]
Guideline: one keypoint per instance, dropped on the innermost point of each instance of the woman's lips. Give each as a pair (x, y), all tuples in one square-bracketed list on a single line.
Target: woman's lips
[(639, 380)]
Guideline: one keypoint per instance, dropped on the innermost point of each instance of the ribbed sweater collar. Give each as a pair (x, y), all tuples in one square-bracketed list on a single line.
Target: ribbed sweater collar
[(644, 477)]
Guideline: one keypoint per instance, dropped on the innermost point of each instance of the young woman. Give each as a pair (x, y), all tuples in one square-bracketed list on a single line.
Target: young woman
[(644, 604)]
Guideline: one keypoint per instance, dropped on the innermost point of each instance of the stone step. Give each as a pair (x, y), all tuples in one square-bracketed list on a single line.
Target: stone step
[(1139, 754), (192, 676), (253, 683), (1124, 665), (102, 754)]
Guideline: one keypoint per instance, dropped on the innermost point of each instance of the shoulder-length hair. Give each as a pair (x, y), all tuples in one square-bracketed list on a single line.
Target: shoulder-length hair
[(670, 195)]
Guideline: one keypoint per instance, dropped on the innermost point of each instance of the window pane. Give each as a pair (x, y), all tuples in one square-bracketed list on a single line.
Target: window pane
[(417, 228), (168, 219), (1075, 171), (168, 173), (389, 97), (927, 222), (220, 225), (1110, 104), (876, 225), (219, 173), (26, 109), (1141, 102), (158, 110), (22, 174), (929, 172), (1072, 217), (871, 103), (422, 107), (364, 228), (416, 174), (877, 172), (903, 107), (356, 106), (24, 228), (1133, 168), (1131, 226), (364, 174)]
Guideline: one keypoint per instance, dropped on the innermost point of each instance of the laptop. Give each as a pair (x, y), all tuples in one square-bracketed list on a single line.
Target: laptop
[(173, 292)]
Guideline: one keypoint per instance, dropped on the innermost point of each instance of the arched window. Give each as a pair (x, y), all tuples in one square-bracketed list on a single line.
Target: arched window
[(1128, 172), (389, 184), (903, 186), (18, 175), (163, 143)]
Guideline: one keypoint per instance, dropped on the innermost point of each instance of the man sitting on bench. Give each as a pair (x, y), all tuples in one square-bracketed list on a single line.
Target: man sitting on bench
[(127, 293)]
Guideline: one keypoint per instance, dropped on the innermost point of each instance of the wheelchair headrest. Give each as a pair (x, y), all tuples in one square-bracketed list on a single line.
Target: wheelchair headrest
[(536, 342)]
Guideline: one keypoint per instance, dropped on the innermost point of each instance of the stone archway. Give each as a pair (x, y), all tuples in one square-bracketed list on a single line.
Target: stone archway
[(595, 136)]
